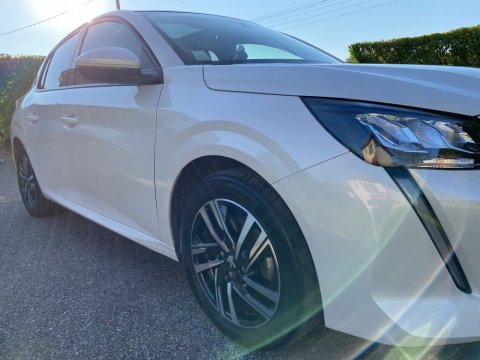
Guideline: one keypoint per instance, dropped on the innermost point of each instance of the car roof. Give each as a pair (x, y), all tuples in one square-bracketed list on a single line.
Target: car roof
[(127, 13)]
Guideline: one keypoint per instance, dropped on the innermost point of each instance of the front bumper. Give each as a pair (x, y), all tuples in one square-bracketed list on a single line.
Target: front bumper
[(381, 277)]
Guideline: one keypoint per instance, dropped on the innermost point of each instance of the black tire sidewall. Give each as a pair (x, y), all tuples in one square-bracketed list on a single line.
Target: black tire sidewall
[(248, 196), (37, 209)]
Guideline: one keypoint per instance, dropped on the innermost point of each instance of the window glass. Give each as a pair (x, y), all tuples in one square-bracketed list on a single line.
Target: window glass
[(107, 34), (256, 51), (58, 73), (210, 39)]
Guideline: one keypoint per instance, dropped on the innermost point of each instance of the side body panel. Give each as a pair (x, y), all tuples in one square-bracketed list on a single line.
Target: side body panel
[(120, 197), (39, 128), (109, 153), (261, 131), (275, 136)]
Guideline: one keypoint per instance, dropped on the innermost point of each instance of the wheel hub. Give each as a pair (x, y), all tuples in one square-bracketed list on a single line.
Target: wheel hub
[(233, 272), (231, 262)]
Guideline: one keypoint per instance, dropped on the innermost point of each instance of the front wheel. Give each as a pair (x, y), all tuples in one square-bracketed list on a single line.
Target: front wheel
[(247, 261)]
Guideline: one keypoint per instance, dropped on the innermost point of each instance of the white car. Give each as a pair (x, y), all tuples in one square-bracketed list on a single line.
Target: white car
[(295, 189)]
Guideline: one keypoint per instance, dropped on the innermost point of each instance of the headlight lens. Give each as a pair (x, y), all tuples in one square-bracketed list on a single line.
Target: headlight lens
[(396, 137)]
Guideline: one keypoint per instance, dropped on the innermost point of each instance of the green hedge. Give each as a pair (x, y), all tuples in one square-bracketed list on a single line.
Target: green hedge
[(16, 76), (459, 47)]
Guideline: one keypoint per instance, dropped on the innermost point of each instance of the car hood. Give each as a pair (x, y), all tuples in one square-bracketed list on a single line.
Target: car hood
[(442, 88)]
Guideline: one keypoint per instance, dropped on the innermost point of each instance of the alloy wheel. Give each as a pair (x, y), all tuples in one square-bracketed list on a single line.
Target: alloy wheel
[(235, 263), (28, 185)]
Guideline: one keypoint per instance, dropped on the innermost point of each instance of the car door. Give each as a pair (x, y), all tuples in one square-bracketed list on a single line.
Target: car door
[(43, 113), (109, 136)]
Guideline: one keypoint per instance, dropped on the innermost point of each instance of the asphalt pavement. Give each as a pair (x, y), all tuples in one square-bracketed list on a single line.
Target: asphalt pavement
[(71, 289)]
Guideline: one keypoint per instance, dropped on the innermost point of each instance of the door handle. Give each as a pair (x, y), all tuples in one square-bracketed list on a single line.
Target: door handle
[(32, 118), (69, 120)]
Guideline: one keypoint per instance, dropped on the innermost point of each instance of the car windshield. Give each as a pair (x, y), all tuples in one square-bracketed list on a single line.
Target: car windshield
[(210, 39)]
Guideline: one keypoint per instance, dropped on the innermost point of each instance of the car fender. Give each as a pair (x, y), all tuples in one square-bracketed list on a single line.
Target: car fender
[(276, 136)]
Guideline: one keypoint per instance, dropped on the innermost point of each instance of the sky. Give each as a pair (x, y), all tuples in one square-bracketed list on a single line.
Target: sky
[(328, 24)]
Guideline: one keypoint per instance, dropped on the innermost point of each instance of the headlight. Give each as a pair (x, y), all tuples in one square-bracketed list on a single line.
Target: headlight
[(396, 137)]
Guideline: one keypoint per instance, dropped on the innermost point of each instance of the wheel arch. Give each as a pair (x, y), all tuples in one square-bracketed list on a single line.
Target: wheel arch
[(188, 177), (193, 172), (200, 168)]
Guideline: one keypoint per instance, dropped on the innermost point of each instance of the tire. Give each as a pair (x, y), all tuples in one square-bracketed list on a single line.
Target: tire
[(266, 274), (35, 203)]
